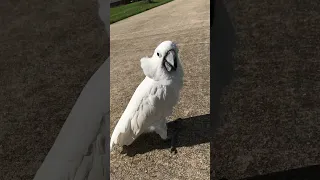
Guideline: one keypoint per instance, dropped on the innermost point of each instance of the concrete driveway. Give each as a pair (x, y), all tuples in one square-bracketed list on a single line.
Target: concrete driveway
[(187, 22)]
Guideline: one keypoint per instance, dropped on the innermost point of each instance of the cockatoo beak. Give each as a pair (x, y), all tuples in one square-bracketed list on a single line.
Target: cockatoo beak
[(170, 61)]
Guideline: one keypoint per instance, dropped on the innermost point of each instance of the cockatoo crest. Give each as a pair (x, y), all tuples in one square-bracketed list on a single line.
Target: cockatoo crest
[(164, 63)]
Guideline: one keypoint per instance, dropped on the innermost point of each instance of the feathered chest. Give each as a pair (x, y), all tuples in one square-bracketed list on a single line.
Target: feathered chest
[(154, 98), (165, 94)]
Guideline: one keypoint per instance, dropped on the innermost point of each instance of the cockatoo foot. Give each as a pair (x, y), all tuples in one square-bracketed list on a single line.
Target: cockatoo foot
[(174, 137), (124, 149), (173, 150)]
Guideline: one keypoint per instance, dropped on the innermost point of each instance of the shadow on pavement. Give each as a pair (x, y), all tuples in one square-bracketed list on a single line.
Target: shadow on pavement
[(192, 131)]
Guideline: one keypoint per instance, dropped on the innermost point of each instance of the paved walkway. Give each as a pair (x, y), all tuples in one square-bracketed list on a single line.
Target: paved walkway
[(187, 22)]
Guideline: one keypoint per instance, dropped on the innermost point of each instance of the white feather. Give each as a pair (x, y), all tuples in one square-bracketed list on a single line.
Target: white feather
[(152, 101)]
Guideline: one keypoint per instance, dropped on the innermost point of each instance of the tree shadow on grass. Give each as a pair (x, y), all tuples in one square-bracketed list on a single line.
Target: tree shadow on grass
[(192, 131)]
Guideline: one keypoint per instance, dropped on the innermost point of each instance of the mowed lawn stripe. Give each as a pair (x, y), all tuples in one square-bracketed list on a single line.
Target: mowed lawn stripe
[(124, 11)]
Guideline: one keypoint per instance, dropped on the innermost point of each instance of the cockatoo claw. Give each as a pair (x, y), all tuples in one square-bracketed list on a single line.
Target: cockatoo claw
[(124, 149), (173, 150)]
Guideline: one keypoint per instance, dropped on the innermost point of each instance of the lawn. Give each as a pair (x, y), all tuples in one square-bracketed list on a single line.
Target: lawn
[(124, 11)]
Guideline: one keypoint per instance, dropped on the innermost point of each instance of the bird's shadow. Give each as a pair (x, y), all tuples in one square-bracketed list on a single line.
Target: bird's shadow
[(191, 131)]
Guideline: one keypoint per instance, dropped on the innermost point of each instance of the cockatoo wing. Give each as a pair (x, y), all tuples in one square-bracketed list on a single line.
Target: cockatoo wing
[(146, 108)]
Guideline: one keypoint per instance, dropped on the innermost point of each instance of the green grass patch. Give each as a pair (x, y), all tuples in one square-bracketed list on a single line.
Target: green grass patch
[(124, 11)]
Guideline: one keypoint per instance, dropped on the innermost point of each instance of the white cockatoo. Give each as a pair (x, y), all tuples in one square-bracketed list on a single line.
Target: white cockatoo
[(154, 98)]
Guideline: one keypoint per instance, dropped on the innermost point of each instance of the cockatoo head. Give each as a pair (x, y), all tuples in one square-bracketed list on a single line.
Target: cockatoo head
[(164, 63)]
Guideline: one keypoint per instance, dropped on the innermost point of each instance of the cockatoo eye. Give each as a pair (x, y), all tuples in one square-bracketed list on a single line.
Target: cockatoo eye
[(159, 55)]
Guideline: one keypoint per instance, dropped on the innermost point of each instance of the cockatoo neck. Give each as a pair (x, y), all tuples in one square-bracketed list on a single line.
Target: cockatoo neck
[(164, 82)]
